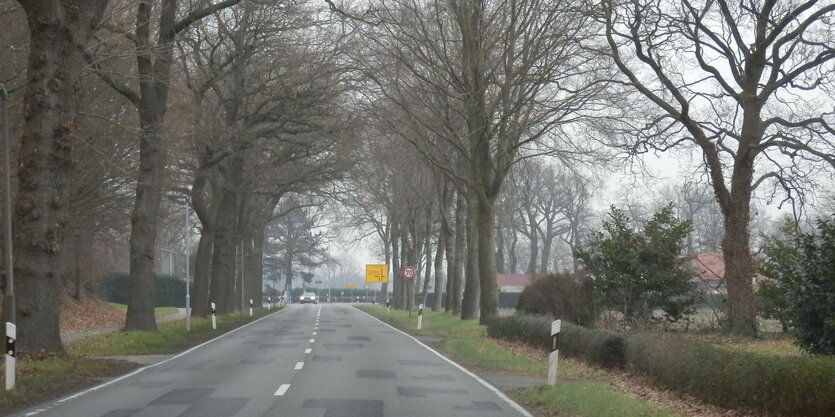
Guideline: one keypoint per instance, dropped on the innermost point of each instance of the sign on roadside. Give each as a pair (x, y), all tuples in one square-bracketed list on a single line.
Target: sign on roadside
[(376, 273), (409, 272)]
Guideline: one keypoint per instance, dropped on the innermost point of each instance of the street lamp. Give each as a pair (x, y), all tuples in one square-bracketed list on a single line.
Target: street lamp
[(8, 300), (187, 244)]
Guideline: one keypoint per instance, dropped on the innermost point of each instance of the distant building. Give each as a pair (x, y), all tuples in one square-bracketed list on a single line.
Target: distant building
[(709, 268), (514, 282)]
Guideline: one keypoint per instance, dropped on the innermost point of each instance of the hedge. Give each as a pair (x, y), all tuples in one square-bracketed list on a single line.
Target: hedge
[(169, 291), (775, 385), (602, 348)]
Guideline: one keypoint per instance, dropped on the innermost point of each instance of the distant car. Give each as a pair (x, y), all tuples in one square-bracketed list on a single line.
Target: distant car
[(309, 297)]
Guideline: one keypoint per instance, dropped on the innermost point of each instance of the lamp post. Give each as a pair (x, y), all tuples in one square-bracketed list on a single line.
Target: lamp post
[(188, 252), (8, 300)]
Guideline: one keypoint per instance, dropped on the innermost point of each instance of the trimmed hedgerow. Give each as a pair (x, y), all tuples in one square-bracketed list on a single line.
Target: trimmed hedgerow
[(603, 348), (775, 385), (786, 385)]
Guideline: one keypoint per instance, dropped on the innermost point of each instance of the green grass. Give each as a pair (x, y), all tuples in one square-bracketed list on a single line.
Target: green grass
[(587, 398), (465, 341), (158, 311), (171, 337), (41, 379)]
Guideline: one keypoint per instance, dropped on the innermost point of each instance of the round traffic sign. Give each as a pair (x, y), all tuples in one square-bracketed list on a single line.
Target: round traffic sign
[(367, 286), (409, 272)]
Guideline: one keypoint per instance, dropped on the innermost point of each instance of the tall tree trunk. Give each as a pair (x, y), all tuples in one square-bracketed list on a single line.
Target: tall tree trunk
[(203, 263), (500, 244), (427, 275), (225, 243), (384, 288), (254, 273), (460, 248), (439, 271), (739, 263), (489, 300), (547, 243), (145, 220), (469, 305), (534, 237), (59, 32), (395, 278)]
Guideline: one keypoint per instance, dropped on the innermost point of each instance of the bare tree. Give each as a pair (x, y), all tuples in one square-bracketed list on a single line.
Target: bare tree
[(485, 80), (744, 83)]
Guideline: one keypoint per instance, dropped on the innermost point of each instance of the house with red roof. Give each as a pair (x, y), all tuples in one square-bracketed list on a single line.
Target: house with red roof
[(709, 270), (514, 282)]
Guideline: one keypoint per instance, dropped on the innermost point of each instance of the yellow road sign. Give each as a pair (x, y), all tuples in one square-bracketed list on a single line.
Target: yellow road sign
[(352, 286), (376, 273)]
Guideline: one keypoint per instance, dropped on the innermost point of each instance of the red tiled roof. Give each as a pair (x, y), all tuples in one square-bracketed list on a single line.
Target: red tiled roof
[(710, 266), (515, 280)]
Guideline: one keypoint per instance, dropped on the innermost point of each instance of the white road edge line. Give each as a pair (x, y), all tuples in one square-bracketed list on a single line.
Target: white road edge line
[(282, 390), (495, 390), (140, 370), (299, 365)]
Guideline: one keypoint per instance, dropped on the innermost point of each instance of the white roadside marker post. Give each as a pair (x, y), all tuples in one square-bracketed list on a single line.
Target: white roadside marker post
[(388, 306), (269, 303), (420, 317), (250, 307), (555, 352), (11, 355), (214, 318)]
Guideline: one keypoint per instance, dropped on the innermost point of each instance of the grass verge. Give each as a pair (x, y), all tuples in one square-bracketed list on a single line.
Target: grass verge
[(466, 342), (42, 378), (171, 337), (158, 311)]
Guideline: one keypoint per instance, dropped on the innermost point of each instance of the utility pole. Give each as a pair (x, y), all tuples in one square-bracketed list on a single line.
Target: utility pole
[(8, 300), (188, 252)]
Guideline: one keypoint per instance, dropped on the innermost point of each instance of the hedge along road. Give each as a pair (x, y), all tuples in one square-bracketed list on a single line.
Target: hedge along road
[(307, 360)]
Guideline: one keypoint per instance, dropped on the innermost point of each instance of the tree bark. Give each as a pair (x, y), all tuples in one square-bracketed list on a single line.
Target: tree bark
[(472, 285), (458, 258), (487, 260), (59, 32), (225, 242), (534, 237), (439, 271), (203, 264)]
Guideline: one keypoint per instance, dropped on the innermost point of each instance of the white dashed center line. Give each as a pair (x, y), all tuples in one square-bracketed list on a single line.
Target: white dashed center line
[(308, 350), (312, 340), (282, 390), (299, 365)]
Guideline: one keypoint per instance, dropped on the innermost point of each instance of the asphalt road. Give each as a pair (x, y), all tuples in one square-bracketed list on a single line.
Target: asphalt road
[(321, 360)]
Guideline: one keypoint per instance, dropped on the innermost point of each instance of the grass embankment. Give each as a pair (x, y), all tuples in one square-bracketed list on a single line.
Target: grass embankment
[(580, 392), (158, 311), (42, 378)]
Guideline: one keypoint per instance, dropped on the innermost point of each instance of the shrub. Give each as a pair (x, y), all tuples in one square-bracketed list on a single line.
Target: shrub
[(638, 271), (169, 291), (797, 386), (560, 296), (603, 348), (813, 298)]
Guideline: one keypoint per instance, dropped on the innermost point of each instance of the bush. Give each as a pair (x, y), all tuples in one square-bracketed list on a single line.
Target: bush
[(169, 291), (784, 385), (796, 386), (603, 348), (560, 296), (812, 299), (638, 271)]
